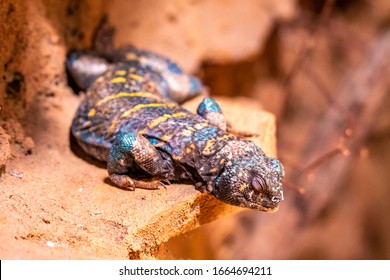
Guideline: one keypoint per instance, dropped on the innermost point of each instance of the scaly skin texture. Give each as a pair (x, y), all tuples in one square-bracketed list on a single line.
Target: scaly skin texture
[(131, 118)]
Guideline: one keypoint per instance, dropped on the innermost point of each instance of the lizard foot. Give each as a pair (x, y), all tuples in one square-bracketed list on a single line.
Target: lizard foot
[(130, 184)]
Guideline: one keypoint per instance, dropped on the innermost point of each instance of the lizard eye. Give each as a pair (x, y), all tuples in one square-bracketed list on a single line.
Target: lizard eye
[(258, 184)]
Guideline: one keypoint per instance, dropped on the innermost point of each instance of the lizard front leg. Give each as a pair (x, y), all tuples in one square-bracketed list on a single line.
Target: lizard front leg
[(210, 110), (130, 149)]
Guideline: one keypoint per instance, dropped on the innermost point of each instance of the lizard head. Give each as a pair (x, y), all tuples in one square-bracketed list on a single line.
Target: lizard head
[(249, 178)]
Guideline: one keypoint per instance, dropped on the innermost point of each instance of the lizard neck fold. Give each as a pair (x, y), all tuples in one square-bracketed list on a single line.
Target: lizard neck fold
[(212, 161)]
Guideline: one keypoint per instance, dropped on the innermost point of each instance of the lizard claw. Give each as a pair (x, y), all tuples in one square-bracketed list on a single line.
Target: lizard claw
[(150, 185), (123, 181), (162, 184), (201, 187), (128, 183)]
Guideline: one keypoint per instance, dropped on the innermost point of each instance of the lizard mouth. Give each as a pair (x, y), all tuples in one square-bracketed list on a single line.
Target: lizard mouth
[(266, 203), (271, 203)]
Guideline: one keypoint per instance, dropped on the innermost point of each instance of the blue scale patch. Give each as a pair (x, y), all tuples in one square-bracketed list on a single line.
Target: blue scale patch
[(154, 141), (127, 140), (208, 105), (206, 133), (195, 85), (174, 68)]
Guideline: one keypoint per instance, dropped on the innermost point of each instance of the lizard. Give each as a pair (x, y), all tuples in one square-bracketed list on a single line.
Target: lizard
[(132, 118)]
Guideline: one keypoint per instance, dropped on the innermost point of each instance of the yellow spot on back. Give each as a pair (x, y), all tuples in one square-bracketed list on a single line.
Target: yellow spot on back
[(176, 157), (165, 117), (179, 114), (143, 59), (200, 125), (112, 127), (186, 132), (158, 120), (92, 112), (148, 105), (188, 150), (120, 72), (191, 128), (136, 77), (125, 94), (242, 188), (166, 137), (213, 170), (131, 56), (118, 80), (209, 144)]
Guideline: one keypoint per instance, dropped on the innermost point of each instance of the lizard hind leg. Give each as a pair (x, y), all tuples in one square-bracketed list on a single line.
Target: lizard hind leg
[(131, 150)]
